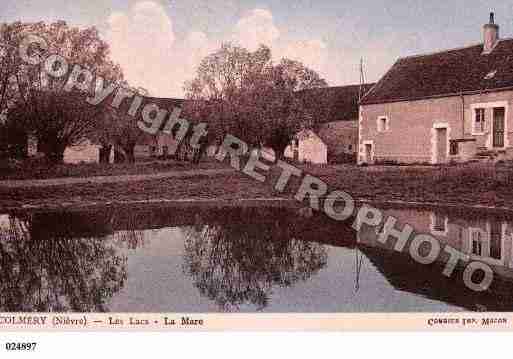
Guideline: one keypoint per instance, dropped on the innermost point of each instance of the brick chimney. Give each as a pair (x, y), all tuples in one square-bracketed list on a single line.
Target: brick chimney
[(490, 35)]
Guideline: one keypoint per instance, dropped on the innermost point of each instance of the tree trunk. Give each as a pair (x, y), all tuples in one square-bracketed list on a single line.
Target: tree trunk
[(56, 156), (105, 153), (129, 153), (197, 155), (201, 151), (279, 150), (279, 142), (55, 153), (52, 148), (124, 153)]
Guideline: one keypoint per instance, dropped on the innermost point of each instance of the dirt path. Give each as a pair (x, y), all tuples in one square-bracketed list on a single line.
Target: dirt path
[(111, 179)]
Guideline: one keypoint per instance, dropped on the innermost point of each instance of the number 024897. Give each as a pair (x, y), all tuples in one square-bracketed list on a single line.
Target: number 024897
[(20, 346)]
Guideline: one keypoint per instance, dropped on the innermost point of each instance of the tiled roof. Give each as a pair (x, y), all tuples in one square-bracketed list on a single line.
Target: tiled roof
[(342, 100), (453, 72)]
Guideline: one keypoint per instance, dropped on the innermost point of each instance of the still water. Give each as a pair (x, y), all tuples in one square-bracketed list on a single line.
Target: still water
[(241, 260)]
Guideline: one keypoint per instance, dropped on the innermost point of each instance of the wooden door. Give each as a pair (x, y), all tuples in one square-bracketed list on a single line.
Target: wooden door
[(368, 153), (498, 127), (441, 145)]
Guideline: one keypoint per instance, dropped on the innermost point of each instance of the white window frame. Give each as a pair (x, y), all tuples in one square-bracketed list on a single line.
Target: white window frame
[(484, 243), (363, 153), (489, 259), (489, 131), (474, 121), (434, 231), (379, 122)]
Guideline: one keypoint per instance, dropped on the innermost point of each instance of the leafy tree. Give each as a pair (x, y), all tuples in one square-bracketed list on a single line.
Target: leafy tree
[(8, 64), (245, 94), (13, 139), (119, 128), (57, 120), (52, 114)]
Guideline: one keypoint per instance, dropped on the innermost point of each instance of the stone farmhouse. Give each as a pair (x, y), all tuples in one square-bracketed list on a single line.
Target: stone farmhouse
[(443, 107), (336, 136)]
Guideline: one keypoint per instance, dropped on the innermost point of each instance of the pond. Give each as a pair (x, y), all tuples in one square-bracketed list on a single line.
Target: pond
[(191, 259)]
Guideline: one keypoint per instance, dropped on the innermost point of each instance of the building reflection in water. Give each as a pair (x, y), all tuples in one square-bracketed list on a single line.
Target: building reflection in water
[(483, 236), (237, 258)]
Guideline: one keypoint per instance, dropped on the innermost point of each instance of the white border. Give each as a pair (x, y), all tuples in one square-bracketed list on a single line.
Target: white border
[(296, 344)]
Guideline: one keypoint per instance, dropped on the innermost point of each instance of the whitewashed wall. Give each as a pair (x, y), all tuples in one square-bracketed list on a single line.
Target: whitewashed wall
[(84, 153), (310, 148)]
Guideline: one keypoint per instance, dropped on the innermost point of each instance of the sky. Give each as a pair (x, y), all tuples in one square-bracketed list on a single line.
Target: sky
[(159, 43)]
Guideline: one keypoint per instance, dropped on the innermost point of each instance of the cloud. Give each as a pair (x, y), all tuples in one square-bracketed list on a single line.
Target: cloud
[(312, 53), (256, 28), (141, 42), (152, 56), (144, 43)]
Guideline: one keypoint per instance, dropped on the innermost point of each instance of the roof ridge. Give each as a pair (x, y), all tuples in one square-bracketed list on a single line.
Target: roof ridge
[(338, 86), (450, 50), (352, 85), (441, 51)]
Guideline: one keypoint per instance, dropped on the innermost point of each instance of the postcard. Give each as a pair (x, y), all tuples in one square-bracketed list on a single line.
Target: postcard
[(172, 165)]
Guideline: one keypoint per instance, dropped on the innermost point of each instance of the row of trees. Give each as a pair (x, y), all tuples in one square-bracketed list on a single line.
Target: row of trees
[(235, 91)]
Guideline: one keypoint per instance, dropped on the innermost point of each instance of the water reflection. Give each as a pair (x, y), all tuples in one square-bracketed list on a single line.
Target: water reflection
[(48, 264), (242, 259), (484, 237), (240, 263)]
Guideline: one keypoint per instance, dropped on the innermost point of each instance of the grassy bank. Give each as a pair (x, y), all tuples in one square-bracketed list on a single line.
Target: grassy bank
[(218, 186), (37, 169), (470, 184), (478, 184)]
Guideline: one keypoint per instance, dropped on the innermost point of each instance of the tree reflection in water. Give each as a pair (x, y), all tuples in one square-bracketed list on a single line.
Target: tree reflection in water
[(44, 272), (238, 264)]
